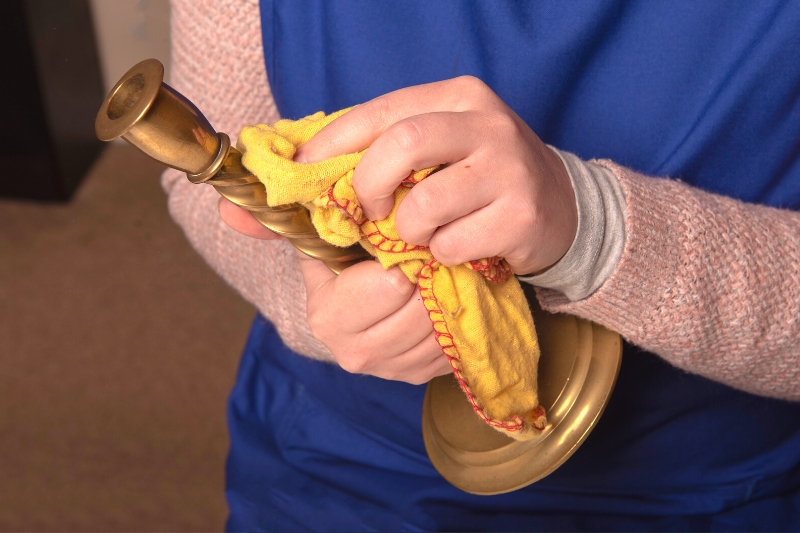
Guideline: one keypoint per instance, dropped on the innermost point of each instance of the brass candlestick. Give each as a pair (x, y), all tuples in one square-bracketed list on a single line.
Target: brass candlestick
[(579, 360), (159, 121)]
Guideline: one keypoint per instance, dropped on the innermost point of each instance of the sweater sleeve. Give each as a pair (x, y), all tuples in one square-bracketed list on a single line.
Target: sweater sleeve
[(710, 284), (218, 63)]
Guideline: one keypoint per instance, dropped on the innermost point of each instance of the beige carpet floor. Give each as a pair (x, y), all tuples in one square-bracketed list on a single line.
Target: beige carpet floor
[(118, 347)]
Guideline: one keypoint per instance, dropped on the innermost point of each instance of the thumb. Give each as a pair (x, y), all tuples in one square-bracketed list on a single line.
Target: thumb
[(316, 274), (242, 221)]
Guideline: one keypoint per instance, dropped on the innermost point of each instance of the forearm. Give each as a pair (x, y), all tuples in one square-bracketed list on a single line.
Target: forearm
[(227, 81), (710, 284)]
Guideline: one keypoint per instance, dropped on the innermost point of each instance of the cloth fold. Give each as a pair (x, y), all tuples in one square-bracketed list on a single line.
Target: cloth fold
[(478, 311)]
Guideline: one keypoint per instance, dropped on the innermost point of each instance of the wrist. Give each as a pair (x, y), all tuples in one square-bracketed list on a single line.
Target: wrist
[(600, 236)]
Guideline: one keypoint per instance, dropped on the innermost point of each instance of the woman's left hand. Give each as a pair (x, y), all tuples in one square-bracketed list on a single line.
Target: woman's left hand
[(503, 192)]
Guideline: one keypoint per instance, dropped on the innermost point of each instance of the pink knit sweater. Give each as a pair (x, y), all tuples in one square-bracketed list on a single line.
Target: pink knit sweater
[(710, 284)]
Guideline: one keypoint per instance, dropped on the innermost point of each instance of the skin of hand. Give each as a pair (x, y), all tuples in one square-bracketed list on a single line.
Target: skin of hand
[(502, 192), (372, 320)]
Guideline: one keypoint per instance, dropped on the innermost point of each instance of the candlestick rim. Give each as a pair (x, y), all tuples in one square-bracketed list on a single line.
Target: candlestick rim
[(129, 100)]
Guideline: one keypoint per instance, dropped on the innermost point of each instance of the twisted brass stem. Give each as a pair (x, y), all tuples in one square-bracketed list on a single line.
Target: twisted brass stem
[(293, 221), (161, 122)]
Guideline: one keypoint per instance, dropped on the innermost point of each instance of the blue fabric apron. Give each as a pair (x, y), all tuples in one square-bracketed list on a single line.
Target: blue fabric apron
[(706, 91)]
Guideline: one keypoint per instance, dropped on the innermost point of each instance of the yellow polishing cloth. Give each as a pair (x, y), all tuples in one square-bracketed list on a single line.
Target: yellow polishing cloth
[(478, 310)]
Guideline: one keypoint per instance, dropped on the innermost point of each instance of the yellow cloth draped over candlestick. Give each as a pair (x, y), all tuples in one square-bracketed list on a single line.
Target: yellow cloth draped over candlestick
[(477, 310)]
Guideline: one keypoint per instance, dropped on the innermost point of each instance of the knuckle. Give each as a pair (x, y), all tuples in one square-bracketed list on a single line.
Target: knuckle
[(418, 216), (503, 125), (318, 325), (472, 84), (353, 362), (409, 229), (472, 91), (447, 249), (407, 136), (378, 114), (424, 199), (394, 279)]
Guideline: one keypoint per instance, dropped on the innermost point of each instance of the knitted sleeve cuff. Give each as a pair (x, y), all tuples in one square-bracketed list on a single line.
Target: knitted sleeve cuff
[(707, 282), (600, 238)]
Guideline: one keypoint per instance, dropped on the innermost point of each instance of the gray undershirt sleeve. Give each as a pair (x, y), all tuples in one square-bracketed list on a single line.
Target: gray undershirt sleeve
[(600, 238)]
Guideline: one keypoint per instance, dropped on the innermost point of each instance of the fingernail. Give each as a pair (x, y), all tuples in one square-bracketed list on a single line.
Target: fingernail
[(300, 157)]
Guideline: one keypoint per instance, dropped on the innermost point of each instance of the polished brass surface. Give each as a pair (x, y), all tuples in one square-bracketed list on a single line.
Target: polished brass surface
[(579, 361), (162, 123), (577, 371)]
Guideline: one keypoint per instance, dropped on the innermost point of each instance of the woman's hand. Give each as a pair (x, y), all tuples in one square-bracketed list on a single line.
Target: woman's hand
[(503, 193), (372, 320)]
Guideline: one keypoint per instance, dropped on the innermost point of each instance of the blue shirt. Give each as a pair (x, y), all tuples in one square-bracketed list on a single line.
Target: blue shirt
[(705, 91)]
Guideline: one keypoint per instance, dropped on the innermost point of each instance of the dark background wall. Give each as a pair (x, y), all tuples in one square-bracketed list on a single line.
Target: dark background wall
[(52, 90)]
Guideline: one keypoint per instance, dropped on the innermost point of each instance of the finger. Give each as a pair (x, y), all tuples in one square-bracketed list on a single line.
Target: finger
[(447, 195), (483, 233), (414, 143), (358, 128), (419, 364), (416, 365), (439, 366), (403, 329), (242, 221), (356, 299), (505, 230), (423, 363), (316, 276)]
